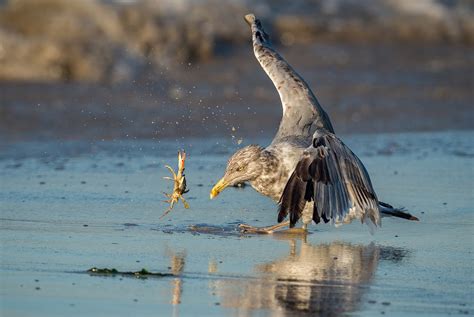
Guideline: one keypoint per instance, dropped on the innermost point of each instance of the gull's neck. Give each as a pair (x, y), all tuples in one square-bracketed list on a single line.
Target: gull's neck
[(270, 182)]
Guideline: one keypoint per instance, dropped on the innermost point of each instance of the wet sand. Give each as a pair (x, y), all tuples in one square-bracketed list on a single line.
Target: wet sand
[(369, 88), (68, 206)]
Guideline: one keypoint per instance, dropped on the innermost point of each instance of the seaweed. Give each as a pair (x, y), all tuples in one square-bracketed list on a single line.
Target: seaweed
[(143, 273)]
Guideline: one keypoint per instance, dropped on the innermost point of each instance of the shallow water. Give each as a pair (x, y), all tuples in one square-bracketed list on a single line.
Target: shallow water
[(67, 207)]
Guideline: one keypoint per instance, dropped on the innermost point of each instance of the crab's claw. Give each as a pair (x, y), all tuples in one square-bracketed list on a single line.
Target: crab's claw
[(181, 159)]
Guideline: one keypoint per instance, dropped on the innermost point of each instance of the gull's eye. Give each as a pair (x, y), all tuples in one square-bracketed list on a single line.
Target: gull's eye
[(240, 169)]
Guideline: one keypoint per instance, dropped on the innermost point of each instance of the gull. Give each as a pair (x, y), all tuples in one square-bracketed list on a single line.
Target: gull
[(307, 169)]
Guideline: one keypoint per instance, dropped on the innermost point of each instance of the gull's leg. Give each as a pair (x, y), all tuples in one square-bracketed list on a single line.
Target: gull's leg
[(250, 229), (302, 230)]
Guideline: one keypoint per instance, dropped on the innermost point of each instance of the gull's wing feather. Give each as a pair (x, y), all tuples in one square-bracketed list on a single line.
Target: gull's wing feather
[(297, 191), (342, 189), (302, 113)]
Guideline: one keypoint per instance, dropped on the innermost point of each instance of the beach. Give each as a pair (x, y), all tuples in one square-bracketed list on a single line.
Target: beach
[(68, 208), (96, 97)]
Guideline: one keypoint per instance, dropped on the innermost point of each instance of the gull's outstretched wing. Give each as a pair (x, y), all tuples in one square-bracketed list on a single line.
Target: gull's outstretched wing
[(302, 113), (331, 175)]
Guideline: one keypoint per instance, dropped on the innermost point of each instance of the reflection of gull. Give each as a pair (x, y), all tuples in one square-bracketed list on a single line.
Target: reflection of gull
[(327, 172), (334, 282), (327, 279)]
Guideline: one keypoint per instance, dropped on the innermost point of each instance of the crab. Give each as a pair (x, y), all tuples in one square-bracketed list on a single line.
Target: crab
[(179, 187)]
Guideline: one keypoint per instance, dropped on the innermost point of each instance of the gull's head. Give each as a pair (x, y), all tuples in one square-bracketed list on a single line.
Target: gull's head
[(243, 166)]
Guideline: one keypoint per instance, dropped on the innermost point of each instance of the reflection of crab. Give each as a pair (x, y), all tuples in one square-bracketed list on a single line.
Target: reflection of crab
[(179, 187)]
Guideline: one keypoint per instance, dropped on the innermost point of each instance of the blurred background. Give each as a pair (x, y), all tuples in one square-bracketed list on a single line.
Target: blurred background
[(152, 69)]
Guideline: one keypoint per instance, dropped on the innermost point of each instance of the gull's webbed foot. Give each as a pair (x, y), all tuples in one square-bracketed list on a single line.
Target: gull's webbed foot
[(262, 230), (251, 229)]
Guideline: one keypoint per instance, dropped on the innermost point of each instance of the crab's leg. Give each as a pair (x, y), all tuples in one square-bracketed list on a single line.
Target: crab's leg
[(169, 196), (185, 203), (168, 178), (169, 209), (171, 170), (166, 212)]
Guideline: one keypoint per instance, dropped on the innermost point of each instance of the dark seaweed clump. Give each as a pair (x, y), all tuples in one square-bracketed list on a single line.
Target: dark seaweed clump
[(143, 273)]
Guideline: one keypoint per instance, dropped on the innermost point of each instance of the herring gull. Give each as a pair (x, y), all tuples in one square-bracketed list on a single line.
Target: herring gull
[(307, 169)]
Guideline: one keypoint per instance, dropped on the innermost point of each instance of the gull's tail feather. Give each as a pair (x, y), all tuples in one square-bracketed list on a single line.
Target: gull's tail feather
[(389, 211)]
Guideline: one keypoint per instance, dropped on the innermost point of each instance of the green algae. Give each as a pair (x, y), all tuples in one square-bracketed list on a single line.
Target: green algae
[(143, 273)]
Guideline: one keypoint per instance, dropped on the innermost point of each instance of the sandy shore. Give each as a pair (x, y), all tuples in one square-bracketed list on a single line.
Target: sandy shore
[(66, 207), (364, 88)]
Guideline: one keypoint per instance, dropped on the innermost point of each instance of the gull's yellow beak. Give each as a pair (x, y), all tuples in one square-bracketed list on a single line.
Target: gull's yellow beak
[(220, 186)]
